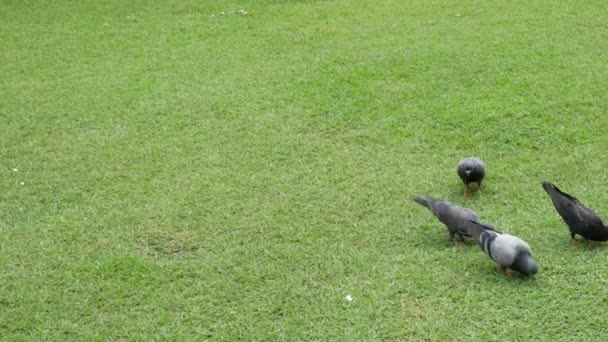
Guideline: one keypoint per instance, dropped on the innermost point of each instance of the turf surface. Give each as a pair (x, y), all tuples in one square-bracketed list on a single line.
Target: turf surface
[(188, 170)]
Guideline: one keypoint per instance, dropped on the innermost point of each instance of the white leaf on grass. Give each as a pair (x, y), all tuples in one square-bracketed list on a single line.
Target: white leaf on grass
[(349, 298)]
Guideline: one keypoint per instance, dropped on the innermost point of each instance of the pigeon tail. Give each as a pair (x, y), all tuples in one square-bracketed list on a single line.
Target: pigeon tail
[(424, 201), (487, 226), (551, 188), (547, 185), (476, 229)]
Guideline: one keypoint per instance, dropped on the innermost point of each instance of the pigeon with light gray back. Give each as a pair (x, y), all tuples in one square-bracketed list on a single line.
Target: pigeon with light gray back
[(454, 217), (509, 252), (471, 171)]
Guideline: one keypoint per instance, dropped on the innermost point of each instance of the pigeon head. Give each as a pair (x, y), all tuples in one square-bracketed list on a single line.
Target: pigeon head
[(524, 264)]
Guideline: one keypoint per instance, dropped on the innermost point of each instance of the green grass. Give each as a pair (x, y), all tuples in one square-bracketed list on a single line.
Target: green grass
[(226, 171)]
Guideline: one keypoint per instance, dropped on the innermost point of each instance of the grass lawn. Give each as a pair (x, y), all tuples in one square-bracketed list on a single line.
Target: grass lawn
[(224, 171)]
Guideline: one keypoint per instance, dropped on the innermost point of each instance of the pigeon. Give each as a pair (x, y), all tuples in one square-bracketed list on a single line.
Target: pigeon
[(580, 219), (471, 170), (453, 216), (508, 251)]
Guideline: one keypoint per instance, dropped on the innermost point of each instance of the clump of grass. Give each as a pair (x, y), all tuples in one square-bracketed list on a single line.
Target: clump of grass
[(161, 243)]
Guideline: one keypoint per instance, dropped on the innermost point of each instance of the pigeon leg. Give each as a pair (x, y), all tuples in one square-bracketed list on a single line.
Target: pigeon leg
[(506, 271), (467, 190), (457, 243), (574, 242), (589, 243)]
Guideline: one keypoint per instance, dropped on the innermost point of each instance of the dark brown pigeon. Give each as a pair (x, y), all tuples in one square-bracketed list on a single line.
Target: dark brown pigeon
[(580, 219), (471, 171)]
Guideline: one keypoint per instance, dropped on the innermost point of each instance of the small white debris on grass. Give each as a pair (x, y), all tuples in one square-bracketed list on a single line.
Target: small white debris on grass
[(22, 183), (15, 170), (233, 12), (349, 298)]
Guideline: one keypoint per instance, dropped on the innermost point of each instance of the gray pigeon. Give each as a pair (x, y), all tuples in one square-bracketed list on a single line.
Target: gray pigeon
[(455, 217), (508, 251), (471, 170), (580, 219)]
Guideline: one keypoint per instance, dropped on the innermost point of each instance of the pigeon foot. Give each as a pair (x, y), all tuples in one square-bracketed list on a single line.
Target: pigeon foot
[(506, 271)]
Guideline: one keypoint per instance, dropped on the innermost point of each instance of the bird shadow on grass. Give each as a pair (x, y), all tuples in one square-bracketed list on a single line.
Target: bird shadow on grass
[(495, 274), (457, 194), (566, 244), (583, 244), (438, 239)]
